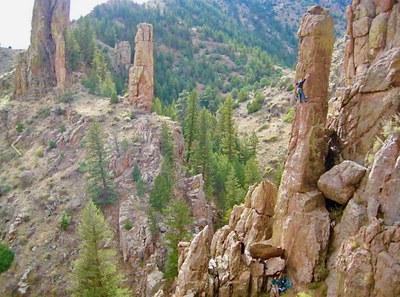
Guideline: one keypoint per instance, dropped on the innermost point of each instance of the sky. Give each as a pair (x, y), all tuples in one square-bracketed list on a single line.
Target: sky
[(16, 15)]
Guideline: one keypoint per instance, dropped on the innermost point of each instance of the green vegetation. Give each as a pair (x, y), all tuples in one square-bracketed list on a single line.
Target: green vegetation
[(178, 221), (288, 118), (62, 128), (136, 174), (94, 273), (44, 112), (256, 104), (52, 144), (128, 225), (100, 185), (20, 127), (64, 222), (6, 257), (67, 97)]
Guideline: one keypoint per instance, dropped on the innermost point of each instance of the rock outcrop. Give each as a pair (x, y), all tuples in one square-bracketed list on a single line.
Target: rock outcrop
[(372, 71), (141, 74), (121, 57), (301, 221), (43, 66), (224, 265), (339, 183)]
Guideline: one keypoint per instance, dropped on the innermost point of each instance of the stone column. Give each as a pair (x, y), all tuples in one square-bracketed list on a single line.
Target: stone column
[(43, 66), (301, 221), (141, 75)]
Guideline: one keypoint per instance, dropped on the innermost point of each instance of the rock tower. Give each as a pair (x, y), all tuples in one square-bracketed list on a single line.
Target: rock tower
[(43, 66), (141, 74), (301, 221)]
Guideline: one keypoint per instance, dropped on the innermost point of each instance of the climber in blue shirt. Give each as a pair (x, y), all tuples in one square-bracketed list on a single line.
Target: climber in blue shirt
[(300, 92)]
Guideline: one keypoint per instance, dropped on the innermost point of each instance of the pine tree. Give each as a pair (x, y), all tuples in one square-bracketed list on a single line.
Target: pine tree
[(252, 172), (94, 273), (229, 134), (189, 131), (157, 106), (100, 185), (86, 39), (181, 104), (72, 51), (201, 160), (234, 194), (178, 220)]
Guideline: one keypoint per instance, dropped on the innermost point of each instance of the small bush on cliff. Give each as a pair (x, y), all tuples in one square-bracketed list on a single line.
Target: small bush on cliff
[(288, 118), (20, 127), (136, 174), (6, 257), (64, 222)]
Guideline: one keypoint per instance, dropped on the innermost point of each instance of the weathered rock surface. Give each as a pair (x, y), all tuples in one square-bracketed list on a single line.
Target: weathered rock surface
[(141, 75), (193, 276), (43, 66), (264, 250), (339, 183), (121, 57), (232, 271), (372, 71), (299, 201), (203, 213)]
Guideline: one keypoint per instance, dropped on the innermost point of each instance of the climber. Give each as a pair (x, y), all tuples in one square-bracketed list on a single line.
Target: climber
[(300, 92)]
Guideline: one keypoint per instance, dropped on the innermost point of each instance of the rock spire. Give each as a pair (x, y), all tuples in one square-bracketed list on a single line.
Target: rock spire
[(141, 74), (301, 221), (43, 66)]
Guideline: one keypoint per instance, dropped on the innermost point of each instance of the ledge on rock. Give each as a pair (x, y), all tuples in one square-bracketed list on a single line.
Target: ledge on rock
[(264, 250)]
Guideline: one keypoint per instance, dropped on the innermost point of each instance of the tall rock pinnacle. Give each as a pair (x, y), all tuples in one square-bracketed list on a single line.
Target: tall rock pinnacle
[(43, 65), (141, 74), (301, 221)]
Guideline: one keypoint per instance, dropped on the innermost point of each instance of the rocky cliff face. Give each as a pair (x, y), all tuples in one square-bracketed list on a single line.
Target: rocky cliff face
[(301, 222), (43, 66), (121, 57), (372, 75), (238, 260), (141, 75)]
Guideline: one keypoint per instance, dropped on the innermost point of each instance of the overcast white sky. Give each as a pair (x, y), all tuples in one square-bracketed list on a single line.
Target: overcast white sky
[(16, 15)]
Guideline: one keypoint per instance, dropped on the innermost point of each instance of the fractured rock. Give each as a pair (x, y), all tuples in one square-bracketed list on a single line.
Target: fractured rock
[(121, 57), (339, 183), (43, 66), (264, 250), (141, 75)]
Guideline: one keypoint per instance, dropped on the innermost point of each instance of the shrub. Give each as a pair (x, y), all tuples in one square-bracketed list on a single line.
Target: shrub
[(20, 127), (39, 153), (264, 127), (64, 222), (62, 128), (67, 97), (52, 144), (288, 118), (59, 111), (82, 167), (128, 225), (140, 188), (114, 98), (6, 257), (253, 107), (278, 175), (136, 174), (44, 112)]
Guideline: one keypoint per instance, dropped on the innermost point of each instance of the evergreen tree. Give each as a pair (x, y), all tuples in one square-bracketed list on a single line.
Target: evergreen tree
[(201, 160), (229, 134), (157, 106), (252, 172), (161, 193), (72, 51), (94, 273), (178, 220), (181, 104), (86, 39), (189, 125), (100, 185), (234, 194)]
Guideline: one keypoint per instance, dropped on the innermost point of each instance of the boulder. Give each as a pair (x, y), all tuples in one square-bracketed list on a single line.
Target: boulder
[(264, 250), (339, 183)]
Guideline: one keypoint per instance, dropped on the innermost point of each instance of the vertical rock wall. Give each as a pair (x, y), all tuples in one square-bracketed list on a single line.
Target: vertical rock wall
[(372, 70), (141, 75), (121, 57), (301, 222), (43, 65)]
